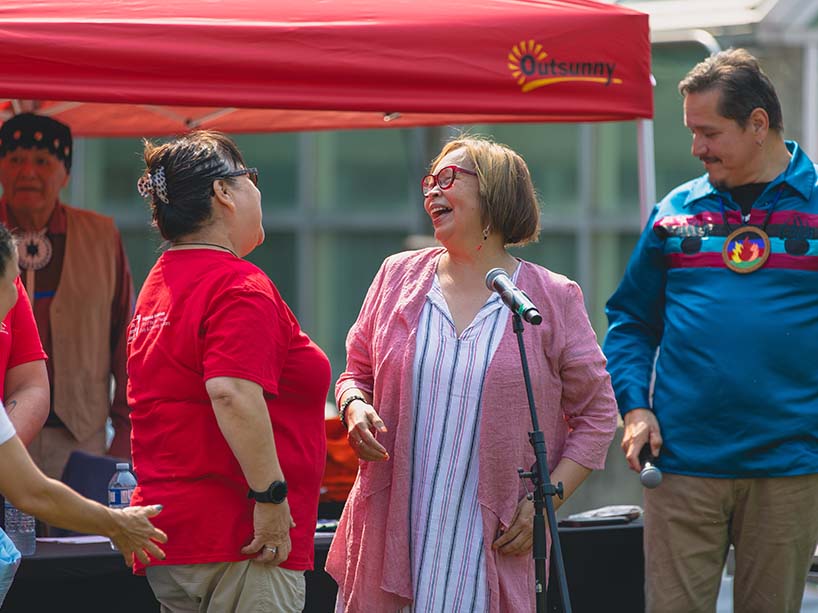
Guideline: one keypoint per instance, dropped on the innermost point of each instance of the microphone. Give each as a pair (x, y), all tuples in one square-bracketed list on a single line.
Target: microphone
[(650, 476), (498, 281)]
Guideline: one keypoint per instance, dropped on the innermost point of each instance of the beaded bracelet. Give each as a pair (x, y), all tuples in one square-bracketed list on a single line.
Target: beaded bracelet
[(345, 404)]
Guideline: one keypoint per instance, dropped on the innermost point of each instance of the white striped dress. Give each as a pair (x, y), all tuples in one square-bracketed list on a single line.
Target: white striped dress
[(448, 568)]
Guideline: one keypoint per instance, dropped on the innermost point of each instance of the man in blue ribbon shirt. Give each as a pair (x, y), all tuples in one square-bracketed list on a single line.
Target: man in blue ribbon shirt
[(724, 285)]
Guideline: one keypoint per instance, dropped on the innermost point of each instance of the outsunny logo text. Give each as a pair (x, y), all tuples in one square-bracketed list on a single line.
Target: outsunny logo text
[(534, 68)]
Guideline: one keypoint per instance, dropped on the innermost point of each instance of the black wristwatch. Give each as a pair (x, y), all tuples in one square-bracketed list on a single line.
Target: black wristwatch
[(276, 493)]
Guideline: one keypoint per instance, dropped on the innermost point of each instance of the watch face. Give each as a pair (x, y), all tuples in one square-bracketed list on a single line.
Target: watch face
[(278, 491)]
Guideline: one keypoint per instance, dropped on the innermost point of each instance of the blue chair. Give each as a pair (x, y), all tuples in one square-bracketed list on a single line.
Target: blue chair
[(87, 474)]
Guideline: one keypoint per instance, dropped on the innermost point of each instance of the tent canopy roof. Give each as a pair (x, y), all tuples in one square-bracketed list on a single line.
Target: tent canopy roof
[(150, 67)]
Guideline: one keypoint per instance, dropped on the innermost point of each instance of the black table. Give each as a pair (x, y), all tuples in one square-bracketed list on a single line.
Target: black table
[(73, 577), (604, 566)]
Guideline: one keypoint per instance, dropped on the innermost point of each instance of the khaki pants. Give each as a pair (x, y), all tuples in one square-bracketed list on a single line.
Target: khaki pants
[(690, 523), (238, 587)]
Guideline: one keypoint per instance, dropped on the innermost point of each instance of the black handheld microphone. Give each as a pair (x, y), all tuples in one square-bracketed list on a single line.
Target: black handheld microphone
[(650, 476), (498, 281)]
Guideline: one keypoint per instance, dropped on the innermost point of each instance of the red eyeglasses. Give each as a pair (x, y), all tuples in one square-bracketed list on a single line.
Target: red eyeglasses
[(444, 178)]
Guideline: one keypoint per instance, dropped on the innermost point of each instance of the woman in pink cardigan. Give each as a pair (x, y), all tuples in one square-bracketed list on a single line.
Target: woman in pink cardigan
[(435, 405)]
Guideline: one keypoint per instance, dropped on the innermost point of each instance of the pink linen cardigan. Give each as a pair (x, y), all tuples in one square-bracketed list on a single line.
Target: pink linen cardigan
[(369, 556)]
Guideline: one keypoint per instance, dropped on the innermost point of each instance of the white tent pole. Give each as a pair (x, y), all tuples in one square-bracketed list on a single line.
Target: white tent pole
[(647, 168), (644, 127), (810, 99)]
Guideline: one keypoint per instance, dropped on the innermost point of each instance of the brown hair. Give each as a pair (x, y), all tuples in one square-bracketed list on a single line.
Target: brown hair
[(508, 201), (743, 85), (190, 164)]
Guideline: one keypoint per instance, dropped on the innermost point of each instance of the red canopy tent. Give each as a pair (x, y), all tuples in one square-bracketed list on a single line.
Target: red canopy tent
[(155, 67), (151, 67)]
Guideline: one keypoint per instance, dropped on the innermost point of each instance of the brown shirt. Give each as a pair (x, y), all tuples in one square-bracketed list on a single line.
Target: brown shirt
[(47, 280)]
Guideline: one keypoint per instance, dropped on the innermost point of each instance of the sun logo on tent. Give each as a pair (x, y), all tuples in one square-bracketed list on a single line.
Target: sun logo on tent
[(531, 69), (522, 61)]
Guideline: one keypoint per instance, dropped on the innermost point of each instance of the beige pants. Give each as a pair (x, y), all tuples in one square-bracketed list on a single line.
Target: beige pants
[(690, 523), (52, 446), (238, 587)]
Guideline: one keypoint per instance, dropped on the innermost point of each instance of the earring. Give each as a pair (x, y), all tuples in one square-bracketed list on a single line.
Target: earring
[(485, 237)]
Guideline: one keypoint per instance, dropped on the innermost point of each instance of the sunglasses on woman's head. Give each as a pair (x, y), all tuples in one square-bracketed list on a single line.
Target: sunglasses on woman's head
[(252, 174)]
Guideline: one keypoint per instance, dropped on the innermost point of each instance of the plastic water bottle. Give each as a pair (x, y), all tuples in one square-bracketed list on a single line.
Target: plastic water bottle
[(20, 528), (120, 488)]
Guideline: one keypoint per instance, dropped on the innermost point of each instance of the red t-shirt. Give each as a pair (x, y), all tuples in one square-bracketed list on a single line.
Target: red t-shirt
[(19, 339), (201, 314)]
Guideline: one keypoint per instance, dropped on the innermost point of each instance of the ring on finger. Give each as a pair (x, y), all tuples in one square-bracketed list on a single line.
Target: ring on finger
[(273, 550)]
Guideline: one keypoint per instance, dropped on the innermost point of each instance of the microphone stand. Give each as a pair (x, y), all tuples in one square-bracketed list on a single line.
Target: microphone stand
[(544, 491)]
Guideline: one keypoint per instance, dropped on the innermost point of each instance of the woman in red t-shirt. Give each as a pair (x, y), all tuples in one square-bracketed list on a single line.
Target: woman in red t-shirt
[(226, 393), (27, 488)]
